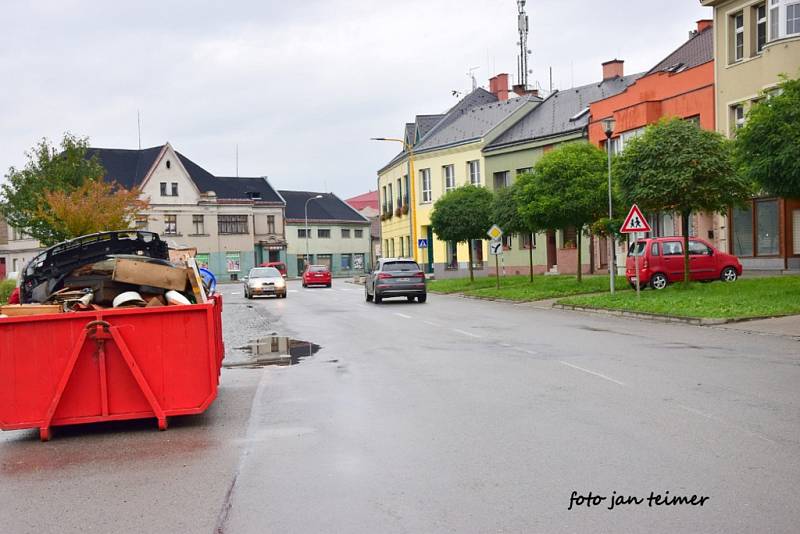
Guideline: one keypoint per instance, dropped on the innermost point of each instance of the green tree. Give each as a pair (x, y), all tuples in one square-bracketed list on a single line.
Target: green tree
[(463, 214), (568, 187), (506, 215), (49, 169), (676, 166), (767, 145)]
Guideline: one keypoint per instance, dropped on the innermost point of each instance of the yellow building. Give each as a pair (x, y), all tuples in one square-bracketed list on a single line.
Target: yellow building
[(446, 152), (754, 42)]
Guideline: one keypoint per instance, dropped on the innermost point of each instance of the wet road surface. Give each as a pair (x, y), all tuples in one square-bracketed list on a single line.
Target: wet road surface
[(452, 416)]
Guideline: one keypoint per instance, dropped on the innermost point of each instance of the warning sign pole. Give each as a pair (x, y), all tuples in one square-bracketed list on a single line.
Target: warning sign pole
[(636, 262)]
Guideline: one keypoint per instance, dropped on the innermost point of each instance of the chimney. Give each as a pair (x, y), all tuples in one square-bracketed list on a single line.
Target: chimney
[(498, 86), (704, 24), (613, 69), (520, 90)]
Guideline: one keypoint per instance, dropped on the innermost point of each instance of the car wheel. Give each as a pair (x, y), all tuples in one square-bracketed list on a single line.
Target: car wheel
[(367, 295), (304, 284), (422, 298), (728, 274), (378, 298), (329, 285), (658, 281)]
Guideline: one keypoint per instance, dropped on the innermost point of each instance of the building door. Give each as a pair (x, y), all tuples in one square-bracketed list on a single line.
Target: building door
[(274, 255), (2, 268), (552, 253)]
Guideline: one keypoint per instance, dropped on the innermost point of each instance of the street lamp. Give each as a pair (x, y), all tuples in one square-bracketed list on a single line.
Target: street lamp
[(411, 194), (306, 210), (608, 128)]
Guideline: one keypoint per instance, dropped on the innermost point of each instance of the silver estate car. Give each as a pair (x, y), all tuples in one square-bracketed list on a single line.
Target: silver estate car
[(396, 277), (264, 281)]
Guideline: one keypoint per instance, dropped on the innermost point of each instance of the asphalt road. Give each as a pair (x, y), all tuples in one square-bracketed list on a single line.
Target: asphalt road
[(452, 416)]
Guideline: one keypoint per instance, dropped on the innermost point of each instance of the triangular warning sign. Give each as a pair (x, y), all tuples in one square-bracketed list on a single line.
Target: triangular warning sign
[(635, 222)]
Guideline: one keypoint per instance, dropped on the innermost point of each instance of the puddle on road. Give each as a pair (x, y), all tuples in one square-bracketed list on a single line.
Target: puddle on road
[(274, 350)]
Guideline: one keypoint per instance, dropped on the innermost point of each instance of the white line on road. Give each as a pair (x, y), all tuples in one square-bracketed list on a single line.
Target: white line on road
[(236, 293), (604, 377), (403, 315), (724, 422), (506, 345), (531, 352), (292, 291), (465, 332), (431, 323)]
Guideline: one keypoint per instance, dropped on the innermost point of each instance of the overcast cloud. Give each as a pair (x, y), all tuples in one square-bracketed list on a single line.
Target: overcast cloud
[(300, 86)]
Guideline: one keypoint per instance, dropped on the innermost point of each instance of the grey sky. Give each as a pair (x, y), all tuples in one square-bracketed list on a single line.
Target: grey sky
[(300, 86)]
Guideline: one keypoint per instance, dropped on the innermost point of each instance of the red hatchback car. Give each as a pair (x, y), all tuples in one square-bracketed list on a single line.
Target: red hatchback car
[(317, 275), (661, 262)]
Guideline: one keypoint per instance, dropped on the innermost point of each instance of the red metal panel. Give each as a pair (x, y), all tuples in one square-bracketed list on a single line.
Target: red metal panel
[(138, 363)]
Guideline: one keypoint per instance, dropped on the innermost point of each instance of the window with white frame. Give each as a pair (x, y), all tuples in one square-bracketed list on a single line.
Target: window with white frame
[(760, 12), (737, 22), (501, 179), (737, 117), (389, 199), (425, 185), (399, 193), (793, 19), (171, 224), (783, 19), (474, 168), (449, 175)]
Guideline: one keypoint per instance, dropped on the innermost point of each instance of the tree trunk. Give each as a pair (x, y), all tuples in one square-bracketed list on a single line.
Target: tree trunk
[(591, 253), (530, 255), (685, 231), (469, 248), (578, 241)]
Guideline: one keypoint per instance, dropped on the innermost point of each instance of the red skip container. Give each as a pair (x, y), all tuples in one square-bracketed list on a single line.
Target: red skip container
[(109, 365)]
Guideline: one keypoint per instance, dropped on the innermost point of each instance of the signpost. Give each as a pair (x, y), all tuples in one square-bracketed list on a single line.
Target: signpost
[(635, 223), (422, 243), (496, 248)]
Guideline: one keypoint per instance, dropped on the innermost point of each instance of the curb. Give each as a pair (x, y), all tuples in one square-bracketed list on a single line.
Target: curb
[(696, 321)]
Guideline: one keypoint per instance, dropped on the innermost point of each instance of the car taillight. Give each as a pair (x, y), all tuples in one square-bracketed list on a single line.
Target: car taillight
[(384, 276), (419, 275)]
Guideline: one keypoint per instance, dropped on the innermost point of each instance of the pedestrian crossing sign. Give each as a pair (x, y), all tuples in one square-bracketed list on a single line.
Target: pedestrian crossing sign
[(635, 222)]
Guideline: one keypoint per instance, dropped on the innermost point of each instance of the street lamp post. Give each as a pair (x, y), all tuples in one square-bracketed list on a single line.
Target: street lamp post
[(608, 128), (411, 194), (306, 211)]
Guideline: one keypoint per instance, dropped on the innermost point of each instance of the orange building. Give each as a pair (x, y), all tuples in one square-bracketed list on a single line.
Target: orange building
[(681, 85)]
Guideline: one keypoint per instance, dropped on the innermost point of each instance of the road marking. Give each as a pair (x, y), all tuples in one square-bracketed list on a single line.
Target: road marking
[(465, 333), (236, 293), (604, 377), (403, 315), (531, 352), (506, 345), (292, 291), (724, 422), (431, 323)]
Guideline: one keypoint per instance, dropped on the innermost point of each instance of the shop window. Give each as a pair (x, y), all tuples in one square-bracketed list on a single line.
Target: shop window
[(742, 231), (452, 255), (767, 238), (347, 262)]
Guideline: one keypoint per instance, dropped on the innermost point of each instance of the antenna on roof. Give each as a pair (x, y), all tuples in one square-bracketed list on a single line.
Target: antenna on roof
[(522, 59), (471, 74), (139, 127)]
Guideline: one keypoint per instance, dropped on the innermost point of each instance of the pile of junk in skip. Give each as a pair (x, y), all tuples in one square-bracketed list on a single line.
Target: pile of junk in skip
[(120, 269)]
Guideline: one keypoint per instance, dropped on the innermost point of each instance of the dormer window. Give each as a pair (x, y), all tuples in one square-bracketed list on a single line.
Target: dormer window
[(578, 115), (253, 195)]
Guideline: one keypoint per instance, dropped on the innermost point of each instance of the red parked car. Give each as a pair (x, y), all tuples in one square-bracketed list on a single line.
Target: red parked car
[(661, 262), (317, 275)]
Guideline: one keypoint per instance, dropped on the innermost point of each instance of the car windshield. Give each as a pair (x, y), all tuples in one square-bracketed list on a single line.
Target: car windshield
[(318, 268), (264, 272), (640, 247), (400, 266)]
